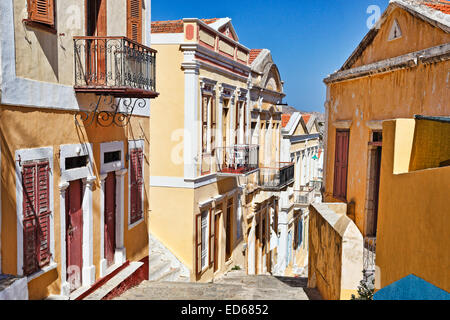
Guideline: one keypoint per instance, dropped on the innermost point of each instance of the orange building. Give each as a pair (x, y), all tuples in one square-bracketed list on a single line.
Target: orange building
[(401, 68)]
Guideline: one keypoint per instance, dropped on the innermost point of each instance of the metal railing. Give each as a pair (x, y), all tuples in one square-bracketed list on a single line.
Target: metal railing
[(114, 63), (276, 177), (370, 246), (239, 159), (304, 196)]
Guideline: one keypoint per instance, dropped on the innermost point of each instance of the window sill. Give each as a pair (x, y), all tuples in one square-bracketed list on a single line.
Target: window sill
[(50, 267), (33, 24), (135, 224)]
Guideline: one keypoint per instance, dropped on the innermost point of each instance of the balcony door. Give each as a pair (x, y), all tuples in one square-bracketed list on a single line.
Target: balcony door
[(96, 26)]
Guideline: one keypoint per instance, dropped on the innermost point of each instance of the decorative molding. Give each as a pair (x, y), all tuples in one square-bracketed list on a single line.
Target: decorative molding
[(342, 124), (375, 124)]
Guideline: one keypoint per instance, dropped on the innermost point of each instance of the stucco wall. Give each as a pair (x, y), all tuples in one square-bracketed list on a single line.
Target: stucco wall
[(400, 94), (414, 213), (335, 252), (25, 128)]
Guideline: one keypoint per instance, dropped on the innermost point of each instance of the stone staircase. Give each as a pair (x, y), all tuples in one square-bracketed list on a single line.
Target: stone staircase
[(165, 266)]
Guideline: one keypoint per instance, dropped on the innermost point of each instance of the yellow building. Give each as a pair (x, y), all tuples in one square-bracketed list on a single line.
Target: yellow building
[(302, 146), (414, 221), (216, 123), (74, 133), (400, 69)]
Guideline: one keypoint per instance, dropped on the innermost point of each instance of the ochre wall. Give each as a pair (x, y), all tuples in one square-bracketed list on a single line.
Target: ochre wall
[(25, 128), (416, 35), (167, 114), (401, 94), (44, 56), (414, 213)]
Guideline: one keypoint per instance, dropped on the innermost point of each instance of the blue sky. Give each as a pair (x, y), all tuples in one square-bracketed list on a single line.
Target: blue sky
[(308, 39)]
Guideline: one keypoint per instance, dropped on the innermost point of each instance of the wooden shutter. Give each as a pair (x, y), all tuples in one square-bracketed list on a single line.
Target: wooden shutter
[(43, 207), (198, 244), (136, 177), (41, 11), (212, 230), (30, 261), (134, 13), (341, 165)]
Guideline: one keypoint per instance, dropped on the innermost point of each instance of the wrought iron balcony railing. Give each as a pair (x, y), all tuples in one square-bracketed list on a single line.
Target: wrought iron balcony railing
[(304, 196), (239, 159), (277, 177), (115, 66)]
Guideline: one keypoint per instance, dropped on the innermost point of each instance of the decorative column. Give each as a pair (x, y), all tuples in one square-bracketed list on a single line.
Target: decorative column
[(65, 286), (191, 118), (88, 278), (103, 261), (120, 255)]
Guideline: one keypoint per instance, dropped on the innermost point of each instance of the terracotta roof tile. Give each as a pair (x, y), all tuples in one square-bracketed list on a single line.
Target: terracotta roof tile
[(306, 118), (443, 6), (285, 119), (254, 53), (174, 26)]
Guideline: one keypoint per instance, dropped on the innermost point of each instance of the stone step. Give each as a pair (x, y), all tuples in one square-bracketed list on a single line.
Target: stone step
[(114, 282), (158, 269), (170, 275)]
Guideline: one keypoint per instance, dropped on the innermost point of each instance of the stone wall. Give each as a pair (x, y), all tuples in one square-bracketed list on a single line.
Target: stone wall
[(335, 252)]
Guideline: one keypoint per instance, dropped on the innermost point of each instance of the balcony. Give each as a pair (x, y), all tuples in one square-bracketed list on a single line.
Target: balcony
[(276, 178), (237, 160), (115, 66), (304, 197)]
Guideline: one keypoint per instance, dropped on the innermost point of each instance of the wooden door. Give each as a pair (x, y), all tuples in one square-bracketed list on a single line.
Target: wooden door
[(229, 233), (257, 249), (341, 165), (74, 234), (96, 26), (216, 241), (110, 218), (376, 190)]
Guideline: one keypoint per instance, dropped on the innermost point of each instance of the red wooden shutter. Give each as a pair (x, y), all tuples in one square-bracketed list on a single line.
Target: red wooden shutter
[(134, 13), (41, 11), (341, 165), (43, 207), (198, 244), (136, 158), (211, 237), (30, 261)]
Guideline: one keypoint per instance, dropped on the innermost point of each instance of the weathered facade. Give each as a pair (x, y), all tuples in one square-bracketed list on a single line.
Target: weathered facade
[(215, 125), (74, 132), (400, 69), (301, 145)]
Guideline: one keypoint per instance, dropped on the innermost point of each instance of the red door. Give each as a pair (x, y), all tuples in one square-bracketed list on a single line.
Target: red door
[(341, 165), (110, 218), (74, 234)]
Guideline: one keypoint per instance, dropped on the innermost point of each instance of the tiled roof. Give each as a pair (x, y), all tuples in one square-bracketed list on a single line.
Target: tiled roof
[(174, 26), (443, 6), (254, 53), (306, 118), (285, 119)]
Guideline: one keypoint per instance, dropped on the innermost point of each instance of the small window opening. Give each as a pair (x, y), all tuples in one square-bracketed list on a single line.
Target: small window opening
[(112, 156), (76, 162)]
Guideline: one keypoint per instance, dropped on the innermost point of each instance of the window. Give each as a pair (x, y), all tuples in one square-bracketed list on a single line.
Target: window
[(134, 19), (36, 216), (341, 164), (136, 188), (202, 238), (41, 11), (110, 157), (76, 162)]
